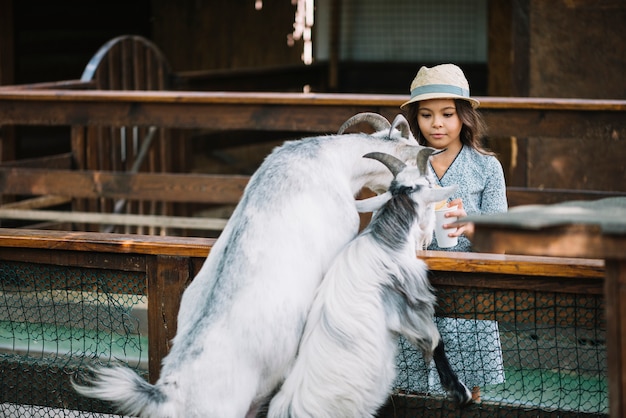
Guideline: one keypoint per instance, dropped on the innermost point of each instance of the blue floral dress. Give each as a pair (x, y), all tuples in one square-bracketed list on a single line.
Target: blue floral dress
[(472, 346), (481, 187)]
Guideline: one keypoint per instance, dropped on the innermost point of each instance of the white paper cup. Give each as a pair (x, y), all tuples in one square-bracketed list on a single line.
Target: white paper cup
[(443, 240)]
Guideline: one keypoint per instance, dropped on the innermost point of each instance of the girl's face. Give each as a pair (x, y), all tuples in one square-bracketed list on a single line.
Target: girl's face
[(439, 123)]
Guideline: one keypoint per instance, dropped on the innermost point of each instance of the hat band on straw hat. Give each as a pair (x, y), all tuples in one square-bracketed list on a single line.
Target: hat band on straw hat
[(440, 88)]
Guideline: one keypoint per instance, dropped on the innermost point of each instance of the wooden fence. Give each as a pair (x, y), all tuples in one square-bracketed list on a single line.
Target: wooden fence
[(57, 104), (161, 267), (166, 265)]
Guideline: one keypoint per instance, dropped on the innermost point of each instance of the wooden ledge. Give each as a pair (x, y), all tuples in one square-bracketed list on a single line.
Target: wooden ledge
[(106, 242), (519, 265), (513, 264), (40, 93)]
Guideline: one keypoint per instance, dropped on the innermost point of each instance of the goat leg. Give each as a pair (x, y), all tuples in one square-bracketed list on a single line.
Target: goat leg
[(449, 379)]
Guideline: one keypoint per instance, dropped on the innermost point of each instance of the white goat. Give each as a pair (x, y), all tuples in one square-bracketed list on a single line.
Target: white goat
[(375, 290), (242, 317)]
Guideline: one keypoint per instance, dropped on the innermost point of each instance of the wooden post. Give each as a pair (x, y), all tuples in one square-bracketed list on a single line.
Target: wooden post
[(167, 278), (334, 45), (7, 50), (615, 294), (7, 74)]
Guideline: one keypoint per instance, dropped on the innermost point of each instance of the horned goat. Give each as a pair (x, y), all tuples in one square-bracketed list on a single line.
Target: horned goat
[(241, 319), (375, 290)]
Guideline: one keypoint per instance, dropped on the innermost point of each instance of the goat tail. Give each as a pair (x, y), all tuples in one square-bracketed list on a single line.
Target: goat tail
[(130, 393)]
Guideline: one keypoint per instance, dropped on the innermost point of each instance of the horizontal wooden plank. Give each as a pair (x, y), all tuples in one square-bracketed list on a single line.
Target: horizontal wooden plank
[(566, 241), (511, 281), (513, 264), (409, 405), (316, 99), (560, 241), (517, 196), (37, 202), (52, 85), (200, 188), (301, 112), (59, 161), (104, 260), (212, 224), (196, 188), (103, 242), (200, 247), (570, 229)]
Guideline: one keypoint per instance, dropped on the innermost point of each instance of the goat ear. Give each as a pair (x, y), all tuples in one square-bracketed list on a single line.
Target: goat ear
[(372, 203), (437, 194)]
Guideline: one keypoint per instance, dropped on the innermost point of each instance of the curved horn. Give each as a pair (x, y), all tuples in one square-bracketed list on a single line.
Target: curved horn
[(392, 163), (403, 124), (378, 122), (422, 159)]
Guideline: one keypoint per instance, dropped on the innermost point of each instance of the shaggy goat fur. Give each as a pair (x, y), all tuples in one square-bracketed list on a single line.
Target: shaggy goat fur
[(375, 290), (242, 317)]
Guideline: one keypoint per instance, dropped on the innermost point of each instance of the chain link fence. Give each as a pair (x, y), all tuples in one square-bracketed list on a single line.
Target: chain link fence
[(56, 320), (517, 350)]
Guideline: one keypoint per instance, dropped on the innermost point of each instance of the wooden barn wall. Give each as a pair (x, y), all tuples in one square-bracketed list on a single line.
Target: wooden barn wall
[(7, 73), (578, 51), (537, 48), (566, 49), (54, 40), (224, 34)]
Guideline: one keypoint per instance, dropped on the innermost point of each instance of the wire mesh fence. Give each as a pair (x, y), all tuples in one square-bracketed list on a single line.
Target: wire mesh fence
[(518, 350), (55, 320)]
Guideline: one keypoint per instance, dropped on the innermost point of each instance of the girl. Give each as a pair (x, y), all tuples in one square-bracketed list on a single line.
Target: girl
[(442, 115)]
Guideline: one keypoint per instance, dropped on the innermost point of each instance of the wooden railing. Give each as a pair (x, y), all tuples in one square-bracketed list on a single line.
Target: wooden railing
[(169, 264), (296, 112), (73, 103)]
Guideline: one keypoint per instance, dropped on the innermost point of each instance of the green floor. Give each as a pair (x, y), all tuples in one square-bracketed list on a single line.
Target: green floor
[(38, 340), (551, 390)]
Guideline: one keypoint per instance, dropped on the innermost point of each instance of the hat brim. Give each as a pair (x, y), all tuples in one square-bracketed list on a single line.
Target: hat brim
[(427, 96)]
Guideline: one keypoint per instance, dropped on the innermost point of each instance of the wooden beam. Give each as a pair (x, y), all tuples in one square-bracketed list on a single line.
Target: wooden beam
[(58, 161), (212, 224), (100, 242), (583, 241), (520, 117), (513, 264), (53, 85), (615, 291), (7, 48), (37, 203), (167, 279), (190, 188), (7, 74), (517, 196)]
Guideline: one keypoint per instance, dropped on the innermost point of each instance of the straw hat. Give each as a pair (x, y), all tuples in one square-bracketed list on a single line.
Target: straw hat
[(445, 81)]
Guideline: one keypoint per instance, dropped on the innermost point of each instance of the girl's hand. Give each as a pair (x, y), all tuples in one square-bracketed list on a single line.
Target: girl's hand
[(466, 228)]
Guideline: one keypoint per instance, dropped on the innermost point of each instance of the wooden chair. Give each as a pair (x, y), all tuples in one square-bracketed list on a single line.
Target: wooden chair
[(128, 62), (125, 175)]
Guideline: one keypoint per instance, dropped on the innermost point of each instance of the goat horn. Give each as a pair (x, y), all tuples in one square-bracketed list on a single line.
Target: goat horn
[(392, 163), (378, 122), (403, 124), (422, 159)]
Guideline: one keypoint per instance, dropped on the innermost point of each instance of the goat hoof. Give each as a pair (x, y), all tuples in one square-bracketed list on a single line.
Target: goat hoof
[(462, 395)]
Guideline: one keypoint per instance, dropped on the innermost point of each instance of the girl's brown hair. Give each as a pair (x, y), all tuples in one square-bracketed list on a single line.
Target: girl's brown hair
[(472, 133)]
